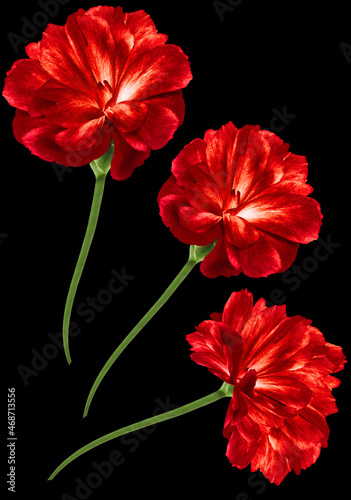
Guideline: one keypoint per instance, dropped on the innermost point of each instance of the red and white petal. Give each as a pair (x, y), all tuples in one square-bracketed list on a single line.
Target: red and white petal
[(198, 221), (127, 116), (239, 232), (157, 130), (218, 347), (272, 464), (306, 430), (293, 394), (282, 348), (201, 191), (249, 160), (63, 106), (220, 153), (159, 70), (259, 260), (62, 63), (258, 331), (293, 217), (94, 46), (82, 137)]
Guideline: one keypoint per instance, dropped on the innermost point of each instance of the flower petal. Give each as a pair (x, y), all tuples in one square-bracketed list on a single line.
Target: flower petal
[(125, 159), (144, 32), (294, 395), (238, 310), (239, 232), (24, 77), (240, 452), (217, 263), (197, 220), (127, 116), (294, 217), (82, 137), (170, 198), (157, 129), (64, 106), (218, 347), (250, 159), (159, 70)]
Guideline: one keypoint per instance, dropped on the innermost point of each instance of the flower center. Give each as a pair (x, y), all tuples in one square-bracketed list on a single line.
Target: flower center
[(106, 94), (108, 127), (248, 382), (232, 201)]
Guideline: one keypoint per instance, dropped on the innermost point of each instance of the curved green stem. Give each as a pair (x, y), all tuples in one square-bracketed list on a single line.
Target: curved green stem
[(145, 319), (100, 168), (196, 255), (225, 391)]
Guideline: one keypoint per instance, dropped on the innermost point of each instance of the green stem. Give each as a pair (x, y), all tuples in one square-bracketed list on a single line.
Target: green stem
[(88, 238), (146, 318), (225, 391), (196, 255)]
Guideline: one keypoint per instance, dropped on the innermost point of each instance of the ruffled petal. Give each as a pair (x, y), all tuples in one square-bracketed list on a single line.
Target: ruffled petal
[(220, 155), (238, 310), (240, 452), (125, 159), (82, 137), (63, 106), (250, 160), (127, 116), (217, 262), (157, 129), (22, 80), (272, 464), (197, 220), (294, 395), (218, 347), (144, 32), (296, 218), (159, 70), (239, 232), (170, 198)]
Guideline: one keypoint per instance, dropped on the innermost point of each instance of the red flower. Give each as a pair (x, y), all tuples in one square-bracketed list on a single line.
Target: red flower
[(280, 368), (243, 188), (103, 75)]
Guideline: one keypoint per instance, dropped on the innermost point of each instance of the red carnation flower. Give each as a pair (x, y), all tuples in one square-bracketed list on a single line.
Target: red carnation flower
[(243, 188), (280, 368), (105, 74)]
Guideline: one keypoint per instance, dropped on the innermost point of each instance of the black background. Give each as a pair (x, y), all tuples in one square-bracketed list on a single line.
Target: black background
[(263, 56)]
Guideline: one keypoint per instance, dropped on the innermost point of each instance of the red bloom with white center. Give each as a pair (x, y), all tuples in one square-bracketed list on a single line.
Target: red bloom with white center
[(105, 74), (243, 188), (280, 368)]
